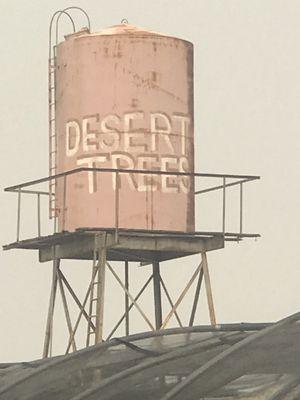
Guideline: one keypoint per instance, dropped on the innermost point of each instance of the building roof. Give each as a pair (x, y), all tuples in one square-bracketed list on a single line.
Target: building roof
[(235, 361)]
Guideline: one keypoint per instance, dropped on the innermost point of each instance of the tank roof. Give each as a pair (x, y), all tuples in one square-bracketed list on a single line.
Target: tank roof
[(128, 29), (124, 29)]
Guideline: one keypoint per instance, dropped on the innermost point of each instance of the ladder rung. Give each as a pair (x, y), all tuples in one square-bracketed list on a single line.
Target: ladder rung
[(93, 316), (53, 151), (96, 298), (52, 103)]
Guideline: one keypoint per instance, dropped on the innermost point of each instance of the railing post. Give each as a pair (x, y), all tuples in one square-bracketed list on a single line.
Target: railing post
[(39, 213), (117, 208), (19, 214), (224, 206), (241, 208)]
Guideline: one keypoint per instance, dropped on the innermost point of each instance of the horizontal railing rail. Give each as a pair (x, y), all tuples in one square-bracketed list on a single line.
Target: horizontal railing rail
[(23, 188), (130, 171)]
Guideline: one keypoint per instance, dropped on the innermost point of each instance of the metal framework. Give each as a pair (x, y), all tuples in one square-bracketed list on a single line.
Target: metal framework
[(94, 298), (102, 246)]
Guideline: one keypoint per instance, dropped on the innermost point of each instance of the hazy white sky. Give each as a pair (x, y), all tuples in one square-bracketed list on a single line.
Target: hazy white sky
[(247, 94)]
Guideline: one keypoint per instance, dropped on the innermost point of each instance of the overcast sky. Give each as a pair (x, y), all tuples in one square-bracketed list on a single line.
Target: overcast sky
[(247, 94)]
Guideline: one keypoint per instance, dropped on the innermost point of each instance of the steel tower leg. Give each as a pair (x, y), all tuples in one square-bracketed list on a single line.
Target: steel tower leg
[(196, 297), (157, 295), (100, 294), (96, 291), (49, 324), (126, 298), (209, 295)]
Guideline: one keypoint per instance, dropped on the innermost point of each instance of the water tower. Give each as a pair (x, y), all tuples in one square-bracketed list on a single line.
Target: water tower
[(122, 185)]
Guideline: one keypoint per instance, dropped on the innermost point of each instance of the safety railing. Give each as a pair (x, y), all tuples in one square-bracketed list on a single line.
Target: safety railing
[(226, 181)]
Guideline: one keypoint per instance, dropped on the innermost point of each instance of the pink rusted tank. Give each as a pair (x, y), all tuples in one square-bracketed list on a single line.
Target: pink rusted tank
[(124, 99)]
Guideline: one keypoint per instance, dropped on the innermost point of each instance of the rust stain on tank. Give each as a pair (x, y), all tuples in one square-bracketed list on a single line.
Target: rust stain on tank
[(134, 103), (135, 112)]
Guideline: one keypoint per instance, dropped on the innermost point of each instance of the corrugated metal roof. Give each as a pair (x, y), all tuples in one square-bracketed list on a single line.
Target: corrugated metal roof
[(239, 361)]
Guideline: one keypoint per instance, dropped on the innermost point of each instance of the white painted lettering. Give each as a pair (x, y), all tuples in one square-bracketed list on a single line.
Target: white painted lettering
[(111, 141), (92, 163), (184, 121), (89, 137), (165, 130), (123, 161), (185, 181), (72, 138), (147, 182), (130, 133), (169, 183)]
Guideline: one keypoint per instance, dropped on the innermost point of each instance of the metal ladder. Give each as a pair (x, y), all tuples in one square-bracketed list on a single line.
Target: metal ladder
[(97, 291), (52, 133)]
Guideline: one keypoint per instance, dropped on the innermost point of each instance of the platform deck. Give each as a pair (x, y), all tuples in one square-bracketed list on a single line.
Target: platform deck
[(128, 245)]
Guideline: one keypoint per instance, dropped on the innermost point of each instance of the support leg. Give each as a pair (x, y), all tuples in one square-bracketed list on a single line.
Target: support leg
[(157, 295), (100, 294), (210, 301), (196, 297), (126, 299), (49, 324), (66, 308)]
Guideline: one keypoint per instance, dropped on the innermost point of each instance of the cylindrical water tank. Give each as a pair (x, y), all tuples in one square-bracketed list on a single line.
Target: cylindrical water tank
[(124, 99)]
